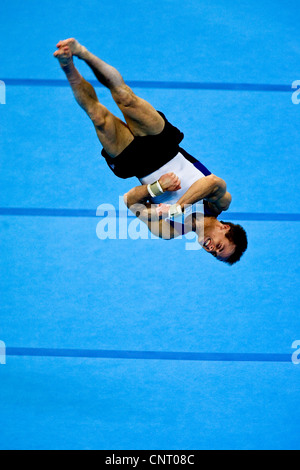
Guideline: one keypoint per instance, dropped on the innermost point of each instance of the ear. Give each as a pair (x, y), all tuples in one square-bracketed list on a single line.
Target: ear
[(225, 227)]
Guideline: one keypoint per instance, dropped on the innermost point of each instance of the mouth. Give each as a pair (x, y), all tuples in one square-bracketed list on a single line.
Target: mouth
[(207, 243)]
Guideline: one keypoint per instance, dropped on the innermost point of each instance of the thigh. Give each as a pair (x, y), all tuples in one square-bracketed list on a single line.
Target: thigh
[(141, 117), (113, 134)]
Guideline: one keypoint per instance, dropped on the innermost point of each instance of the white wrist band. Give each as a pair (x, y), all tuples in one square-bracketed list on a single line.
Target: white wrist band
[(175, 211), (155, 189)]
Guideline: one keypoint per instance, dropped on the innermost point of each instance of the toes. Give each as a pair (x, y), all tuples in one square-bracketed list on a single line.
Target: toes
[(60, 44), (65, 42), (58, 53), (66, 51)]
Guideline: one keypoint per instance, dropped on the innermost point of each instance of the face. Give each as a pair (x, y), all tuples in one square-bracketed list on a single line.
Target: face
[(215, 240)]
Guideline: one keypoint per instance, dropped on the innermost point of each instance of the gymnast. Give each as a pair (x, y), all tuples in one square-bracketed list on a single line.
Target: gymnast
[(146, 146)]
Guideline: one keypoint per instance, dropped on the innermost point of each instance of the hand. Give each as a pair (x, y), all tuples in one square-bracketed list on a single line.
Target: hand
[(170, 182), (163, 210)]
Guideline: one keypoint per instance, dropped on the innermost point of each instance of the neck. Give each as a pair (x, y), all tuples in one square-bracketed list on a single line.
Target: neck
[(201, 225)]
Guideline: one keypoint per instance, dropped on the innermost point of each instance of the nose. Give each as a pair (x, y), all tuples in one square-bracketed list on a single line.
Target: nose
[(218, 247)]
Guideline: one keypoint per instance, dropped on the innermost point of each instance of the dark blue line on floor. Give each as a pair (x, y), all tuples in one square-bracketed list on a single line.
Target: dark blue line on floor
[(45, 212), (48, 212), (149, 355), (159, 85)]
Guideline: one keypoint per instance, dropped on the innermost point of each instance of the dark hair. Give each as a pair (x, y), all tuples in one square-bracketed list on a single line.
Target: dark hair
[(238, 237)]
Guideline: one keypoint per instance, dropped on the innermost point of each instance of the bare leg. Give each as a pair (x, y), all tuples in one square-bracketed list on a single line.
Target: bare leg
[(140, 116), (113, 133)]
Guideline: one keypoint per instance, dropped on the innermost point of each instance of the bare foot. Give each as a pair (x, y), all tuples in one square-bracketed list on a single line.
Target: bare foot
[(76, 49), (64, 55)]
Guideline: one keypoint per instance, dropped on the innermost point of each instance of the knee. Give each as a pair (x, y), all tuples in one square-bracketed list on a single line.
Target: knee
[(98, 115), (124, 96)]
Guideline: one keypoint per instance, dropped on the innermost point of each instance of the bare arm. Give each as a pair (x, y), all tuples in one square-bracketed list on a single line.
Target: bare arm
[(137, 200), (212, 189)]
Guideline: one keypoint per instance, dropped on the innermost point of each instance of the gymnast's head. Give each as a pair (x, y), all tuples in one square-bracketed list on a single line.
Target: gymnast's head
[(225, 241)]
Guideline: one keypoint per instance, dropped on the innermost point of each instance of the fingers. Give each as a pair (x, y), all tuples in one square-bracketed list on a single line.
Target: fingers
[(162, 209), (170, 182), (174, 179), (176, 183)]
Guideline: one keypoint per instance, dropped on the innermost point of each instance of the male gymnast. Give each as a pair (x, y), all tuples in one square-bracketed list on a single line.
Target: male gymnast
[(146, 146)]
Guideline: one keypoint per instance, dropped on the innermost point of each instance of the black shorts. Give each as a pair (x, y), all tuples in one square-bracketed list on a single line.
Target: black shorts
[(145, 155)]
